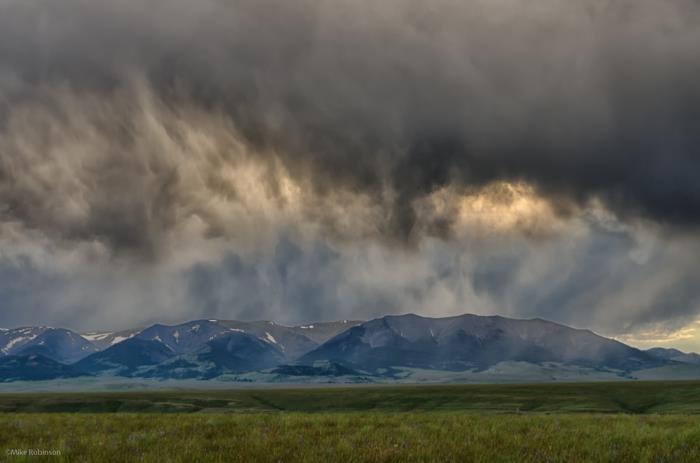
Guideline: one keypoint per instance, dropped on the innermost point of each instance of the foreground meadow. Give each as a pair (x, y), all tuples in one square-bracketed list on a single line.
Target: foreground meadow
[(614, 422), (353, 436)]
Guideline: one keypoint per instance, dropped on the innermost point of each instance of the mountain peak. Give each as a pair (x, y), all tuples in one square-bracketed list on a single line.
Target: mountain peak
[(470, 341), (207, 348)]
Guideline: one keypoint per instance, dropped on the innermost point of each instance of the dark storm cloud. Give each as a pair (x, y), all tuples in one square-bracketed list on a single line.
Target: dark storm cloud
[(395, 100), (170, 159)]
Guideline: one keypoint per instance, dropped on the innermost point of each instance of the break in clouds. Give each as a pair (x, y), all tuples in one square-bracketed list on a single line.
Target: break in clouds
[(314, 160)]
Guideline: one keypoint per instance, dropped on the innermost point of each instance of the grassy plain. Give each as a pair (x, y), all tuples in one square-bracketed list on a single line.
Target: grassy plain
[(632, 421)]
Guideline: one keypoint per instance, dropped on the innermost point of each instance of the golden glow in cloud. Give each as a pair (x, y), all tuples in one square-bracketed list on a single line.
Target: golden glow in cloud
[(685, 337), (499, 207), (504, 206)]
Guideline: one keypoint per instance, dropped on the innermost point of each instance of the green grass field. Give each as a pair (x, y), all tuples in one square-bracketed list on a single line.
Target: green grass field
[(652, 422)]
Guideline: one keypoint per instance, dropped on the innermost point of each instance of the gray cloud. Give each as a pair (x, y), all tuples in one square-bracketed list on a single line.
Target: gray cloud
[(585, 99), (309, 142), (588, 273)]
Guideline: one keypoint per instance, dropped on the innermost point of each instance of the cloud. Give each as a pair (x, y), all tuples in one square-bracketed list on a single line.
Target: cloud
[(589, 272), (161, 160), (394, 100)]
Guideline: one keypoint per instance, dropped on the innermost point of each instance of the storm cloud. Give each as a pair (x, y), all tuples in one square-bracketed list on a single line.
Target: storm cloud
[(316, 159)]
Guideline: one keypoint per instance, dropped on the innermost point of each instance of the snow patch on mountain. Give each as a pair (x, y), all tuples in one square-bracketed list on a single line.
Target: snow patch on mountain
[(96, 336), (13, 342)]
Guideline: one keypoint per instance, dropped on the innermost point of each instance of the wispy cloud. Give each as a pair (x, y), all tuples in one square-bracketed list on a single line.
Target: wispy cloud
[(168, 160)]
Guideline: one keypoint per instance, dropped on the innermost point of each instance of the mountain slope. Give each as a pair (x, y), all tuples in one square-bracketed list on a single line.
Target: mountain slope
[(55, 343), (185, 337), (13, 339), (229, 353), (292, 341), (321, 332), (471, 341), (104, 339), (34, 368), (124, 358), (191, 336), (674, 355), (288, 340), (60, 345)]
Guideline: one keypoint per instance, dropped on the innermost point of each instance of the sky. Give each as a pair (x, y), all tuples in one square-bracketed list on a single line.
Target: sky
[(169, 160)]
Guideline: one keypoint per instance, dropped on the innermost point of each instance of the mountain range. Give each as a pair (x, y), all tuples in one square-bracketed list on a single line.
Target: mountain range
[(391, 348)]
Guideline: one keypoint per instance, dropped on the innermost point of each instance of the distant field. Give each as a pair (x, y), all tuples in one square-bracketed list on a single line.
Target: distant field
[(620, 397), (654, 421)]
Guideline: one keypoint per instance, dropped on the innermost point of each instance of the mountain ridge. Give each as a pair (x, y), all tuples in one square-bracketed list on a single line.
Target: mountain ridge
[(384, 347), (459, 342)]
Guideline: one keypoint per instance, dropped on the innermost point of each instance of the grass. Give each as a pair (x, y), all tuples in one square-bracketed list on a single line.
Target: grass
[(622, 397), (646, 422), (355, 436)]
